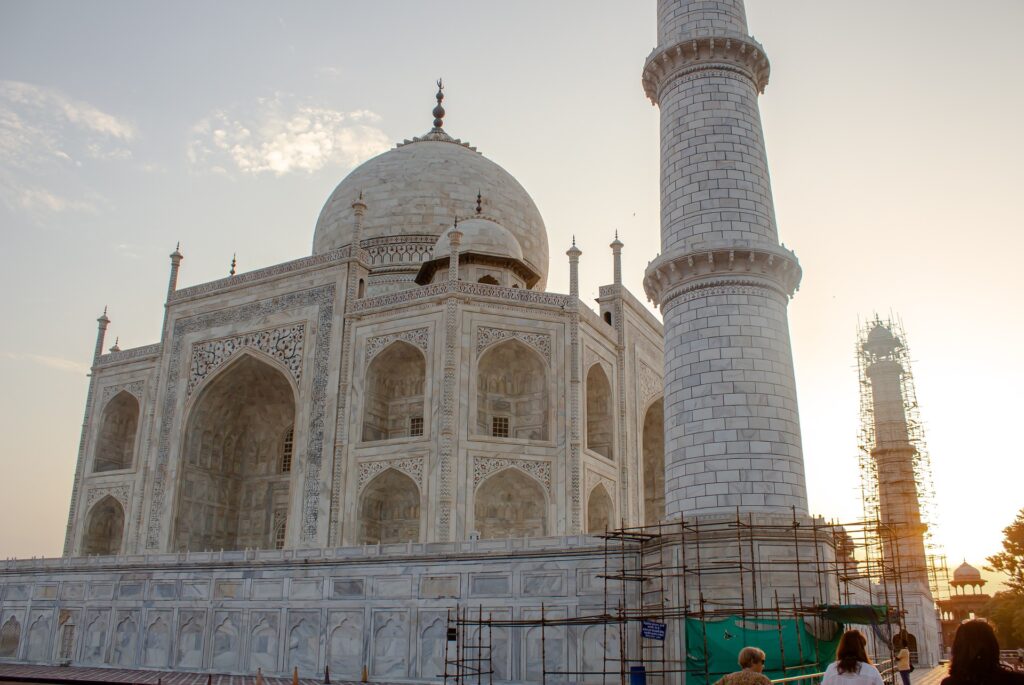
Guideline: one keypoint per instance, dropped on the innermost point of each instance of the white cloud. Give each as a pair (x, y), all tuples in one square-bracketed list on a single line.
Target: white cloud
[(279, 137), (58, 363), (44, 133)]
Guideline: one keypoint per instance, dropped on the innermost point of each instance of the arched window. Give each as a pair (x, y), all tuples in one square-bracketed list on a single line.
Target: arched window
[(599, 412), (10, 637), (115, 444), (654, 463), (600, 510), (512, 393), (280, 528), (608, 318), (394, 393), (361, 289), (510, 504), (489, 280), (104, 528), (287, 446), (389, 510), (233, 479)]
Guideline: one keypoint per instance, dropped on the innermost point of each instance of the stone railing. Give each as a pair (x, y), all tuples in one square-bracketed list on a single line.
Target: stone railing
[(131, 354)]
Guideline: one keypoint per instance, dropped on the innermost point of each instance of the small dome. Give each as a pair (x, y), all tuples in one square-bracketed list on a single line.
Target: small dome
[(966, 573), (881, 341), (481, 236)]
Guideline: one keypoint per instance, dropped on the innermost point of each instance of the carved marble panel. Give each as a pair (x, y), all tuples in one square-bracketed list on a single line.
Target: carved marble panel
[(191, 628), (485, 466), (345, 644), (419, 337), (412, 467), (283, 344), (226, 647), (487, 336), (263, 641), (125, 645), (390, 647), (135, 388), (303, 641)]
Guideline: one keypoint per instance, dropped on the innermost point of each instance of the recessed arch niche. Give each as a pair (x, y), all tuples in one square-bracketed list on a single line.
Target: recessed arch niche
[(104, 528), (599, 412), (395, 381), (653, 454), (600, 510), (232, 493), (512, 392), (510, 504), (115, 444), (389, 509)]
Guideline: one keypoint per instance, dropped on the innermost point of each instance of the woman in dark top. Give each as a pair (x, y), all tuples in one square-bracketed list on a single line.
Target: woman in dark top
[(975, 658)]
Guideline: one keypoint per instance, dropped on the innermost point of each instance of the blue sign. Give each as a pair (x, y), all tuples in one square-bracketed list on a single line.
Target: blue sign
[(652, 630)]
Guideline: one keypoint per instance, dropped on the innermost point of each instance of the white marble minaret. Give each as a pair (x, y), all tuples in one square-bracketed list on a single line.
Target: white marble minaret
[(722, 280)]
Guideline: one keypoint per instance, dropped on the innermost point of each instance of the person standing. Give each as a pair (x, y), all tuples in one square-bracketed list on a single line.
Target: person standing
[(852, 666), (975, 658), (752, 662), (903, 664)]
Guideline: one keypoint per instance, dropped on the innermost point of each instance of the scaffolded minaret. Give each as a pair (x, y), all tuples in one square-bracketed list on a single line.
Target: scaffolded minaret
[(897, 484), (722, 280), (891, 448)]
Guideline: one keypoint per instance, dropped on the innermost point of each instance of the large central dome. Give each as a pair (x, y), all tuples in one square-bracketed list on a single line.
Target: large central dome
[(419, 187)]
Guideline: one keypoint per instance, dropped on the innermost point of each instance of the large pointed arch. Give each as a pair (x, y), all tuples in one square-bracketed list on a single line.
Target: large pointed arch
[(389, 509), (104, 528), (393, 405), (653, 462), (232, 493), (510, 503), (600, 425), (512, 392), (115, 442)]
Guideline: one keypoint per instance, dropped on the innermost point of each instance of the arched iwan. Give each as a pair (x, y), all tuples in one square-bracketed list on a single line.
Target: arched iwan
[(600, 425), (104, 528), (654, 463), (510, 504), (232, 493), (600, 510), (393, 406), (512, 393), (115, 444), (389, 509)]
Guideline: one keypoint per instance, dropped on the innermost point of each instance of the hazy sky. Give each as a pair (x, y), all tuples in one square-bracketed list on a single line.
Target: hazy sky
[(894, 140)]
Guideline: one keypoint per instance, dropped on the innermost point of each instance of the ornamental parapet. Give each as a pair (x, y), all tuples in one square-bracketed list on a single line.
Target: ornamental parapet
[(709, 265), (733, 52)]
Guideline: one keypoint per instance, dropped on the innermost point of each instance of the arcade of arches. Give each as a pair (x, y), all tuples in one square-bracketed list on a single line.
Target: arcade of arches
[(116, 442), (394, 393), (510, 504), (234, 489), (389, 510), (599, 412), (654, 463), (104, 528), (512, 393)]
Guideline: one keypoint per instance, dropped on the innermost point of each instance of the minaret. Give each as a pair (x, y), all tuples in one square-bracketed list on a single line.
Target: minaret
[(723, 282), (893, 452), (574, 268)]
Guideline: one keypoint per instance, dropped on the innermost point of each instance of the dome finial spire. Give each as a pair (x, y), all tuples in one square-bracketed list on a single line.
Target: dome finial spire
[(439, 110), (234, 263), (479, 203)]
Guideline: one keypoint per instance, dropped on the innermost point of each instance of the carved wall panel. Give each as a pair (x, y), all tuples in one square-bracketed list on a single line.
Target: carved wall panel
[(487, 336), (283, 344)]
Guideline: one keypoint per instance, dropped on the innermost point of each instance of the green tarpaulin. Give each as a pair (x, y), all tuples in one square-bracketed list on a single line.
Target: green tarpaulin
[(712, 647)]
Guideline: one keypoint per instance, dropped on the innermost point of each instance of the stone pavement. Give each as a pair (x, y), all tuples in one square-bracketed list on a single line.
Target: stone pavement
[(929, 676), (72, 674)]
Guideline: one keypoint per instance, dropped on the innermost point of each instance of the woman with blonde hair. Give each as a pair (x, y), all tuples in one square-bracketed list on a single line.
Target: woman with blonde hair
[(852, 666), (752, 662)]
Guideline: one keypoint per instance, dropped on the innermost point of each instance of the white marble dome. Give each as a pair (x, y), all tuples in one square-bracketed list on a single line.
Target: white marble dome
[(481, 236), (420, 187)]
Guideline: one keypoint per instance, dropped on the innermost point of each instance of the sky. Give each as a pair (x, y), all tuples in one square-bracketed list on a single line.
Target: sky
[(893, 136)]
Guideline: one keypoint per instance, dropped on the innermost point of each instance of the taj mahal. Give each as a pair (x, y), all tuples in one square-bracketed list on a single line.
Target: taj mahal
[(314, 463)]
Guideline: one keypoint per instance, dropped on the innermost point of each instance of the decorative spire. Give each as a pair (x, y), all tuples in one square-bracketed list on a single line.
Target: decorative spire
[(617, 259), (574, 268), (479, 203), (234, 263), (116, 347), (103, 317), (439, 110)]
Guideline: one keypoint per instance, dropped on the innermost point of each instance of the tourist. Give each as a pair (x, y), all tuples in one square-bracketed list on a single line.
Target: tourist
[(975, 658), (903, 664), (852, 666), (752, 662)]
